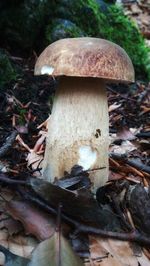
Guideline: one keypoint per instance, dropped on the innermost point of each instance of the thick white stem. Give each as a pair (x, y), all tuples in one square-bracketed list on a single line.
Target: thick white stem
[(78, 130)]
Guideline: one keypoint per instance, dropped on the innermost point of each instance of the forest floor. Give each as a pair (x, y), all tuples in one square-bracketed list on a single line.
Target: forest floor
[(24, 107)]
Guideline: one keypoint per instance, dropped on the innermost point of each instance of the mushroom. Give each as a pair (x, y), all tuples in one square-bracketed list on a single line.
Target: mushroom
[(78, 129)]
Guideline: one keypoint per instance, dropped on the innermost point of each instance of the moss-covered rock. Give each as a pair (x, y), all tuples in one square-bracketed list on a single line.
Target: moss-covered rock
[(33, 24), (7, 71), (63, 28), (99, 19), (119, 29)]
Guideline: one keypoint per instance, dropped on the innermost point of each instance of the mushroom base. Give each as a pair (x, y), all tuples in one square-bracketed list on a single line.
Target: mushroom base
[(78, 130)]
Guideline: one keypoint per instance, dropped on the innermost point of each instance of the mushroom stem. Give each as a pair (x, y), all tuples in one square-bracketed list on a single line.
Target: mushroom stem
[(78, 131)]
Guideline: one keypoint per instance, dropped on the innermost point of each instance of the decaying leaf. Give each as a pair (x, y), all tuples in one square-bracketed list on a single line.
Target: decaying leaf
[(115, 252), (10, 259), (34, 220), (125, 147), (19, 245), (113, 107), (81, 207), (12, 225), (34, 160), (55, 252), (125, 134)]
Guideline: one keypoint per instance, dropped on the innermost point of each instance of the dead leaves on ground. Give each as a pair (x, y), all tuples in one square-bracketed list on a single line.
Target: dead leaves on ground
[(102, 252), (34, 220), (108, 252), (139, 11), (25, 228)]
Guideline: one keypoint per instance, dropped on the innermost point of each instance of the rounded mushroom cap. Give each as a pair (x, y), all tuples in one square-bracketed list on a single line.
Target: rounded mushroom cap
[(86, 57)]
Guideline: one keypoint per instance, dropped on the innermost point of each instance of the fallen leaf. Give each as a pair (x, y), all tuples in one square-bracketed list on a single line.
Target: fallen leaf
[(34, 160), (11, 225), (125, 147), (18, 244), (10, 259), (81, 207), (125, 134), (34, 220), (55, 252), (115, 252), (113, 107), (135, 9)]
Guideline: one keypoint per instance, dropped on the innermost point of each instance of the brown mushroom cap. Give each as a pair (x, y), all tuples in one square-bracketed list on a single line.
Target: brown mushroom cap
[(86, 57)]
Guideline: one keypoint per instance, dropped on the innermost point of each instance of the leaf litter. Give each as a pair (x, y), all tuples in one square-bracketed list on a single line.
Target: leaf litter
[(28, 219)]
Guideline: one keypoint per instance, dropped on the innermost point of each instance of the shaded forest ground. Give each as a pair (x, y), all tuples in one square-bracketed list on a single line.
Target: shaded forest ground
[(26, 103)]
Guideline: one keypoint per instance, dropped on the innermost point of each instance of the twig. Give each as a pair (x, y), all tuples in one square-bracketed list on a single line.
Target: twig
[(81, 228), (8, 143), (121, 95), (143, 134), (133, 236), (138, 165), (138, 135), (7, 180)]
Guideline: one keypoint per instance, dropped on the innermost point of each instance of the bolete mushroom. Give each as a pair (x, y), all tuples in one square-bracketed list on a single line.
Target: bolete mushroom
[(78, 128)]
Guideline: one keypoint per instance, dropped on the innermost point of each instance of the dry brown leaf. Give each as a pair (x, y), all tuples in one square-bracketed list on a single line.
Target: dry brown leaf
[(109, 261), (4, 238), (125, 134), (34, 160), (124, 148), (19, 245), (120, 253), (145, 19), (13, 226), (22, 245), (135, 9), (34, 220)]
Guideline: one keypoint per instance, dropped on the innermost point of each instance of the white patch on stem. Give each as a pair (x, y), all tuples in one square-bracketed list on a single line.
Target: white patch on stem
[(87, 157)]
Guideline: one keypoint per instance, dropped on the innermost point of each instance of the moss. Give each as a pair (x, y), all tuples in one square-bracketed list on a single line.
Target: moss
[(118, 28), (110, 24), (7, 71), (83, 13), (22, 26)]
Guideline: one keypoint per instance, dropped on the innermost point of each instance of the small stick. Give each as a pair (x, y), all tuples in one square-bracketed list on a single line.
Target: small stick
[(133, 236), (138, 165)]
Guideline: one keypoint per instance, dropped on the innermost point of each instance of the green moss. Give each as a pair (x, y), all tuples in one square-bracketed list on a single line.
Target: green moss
[(83, 13), (112, 25), (7, 72), (118, 28), (24, 23)]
